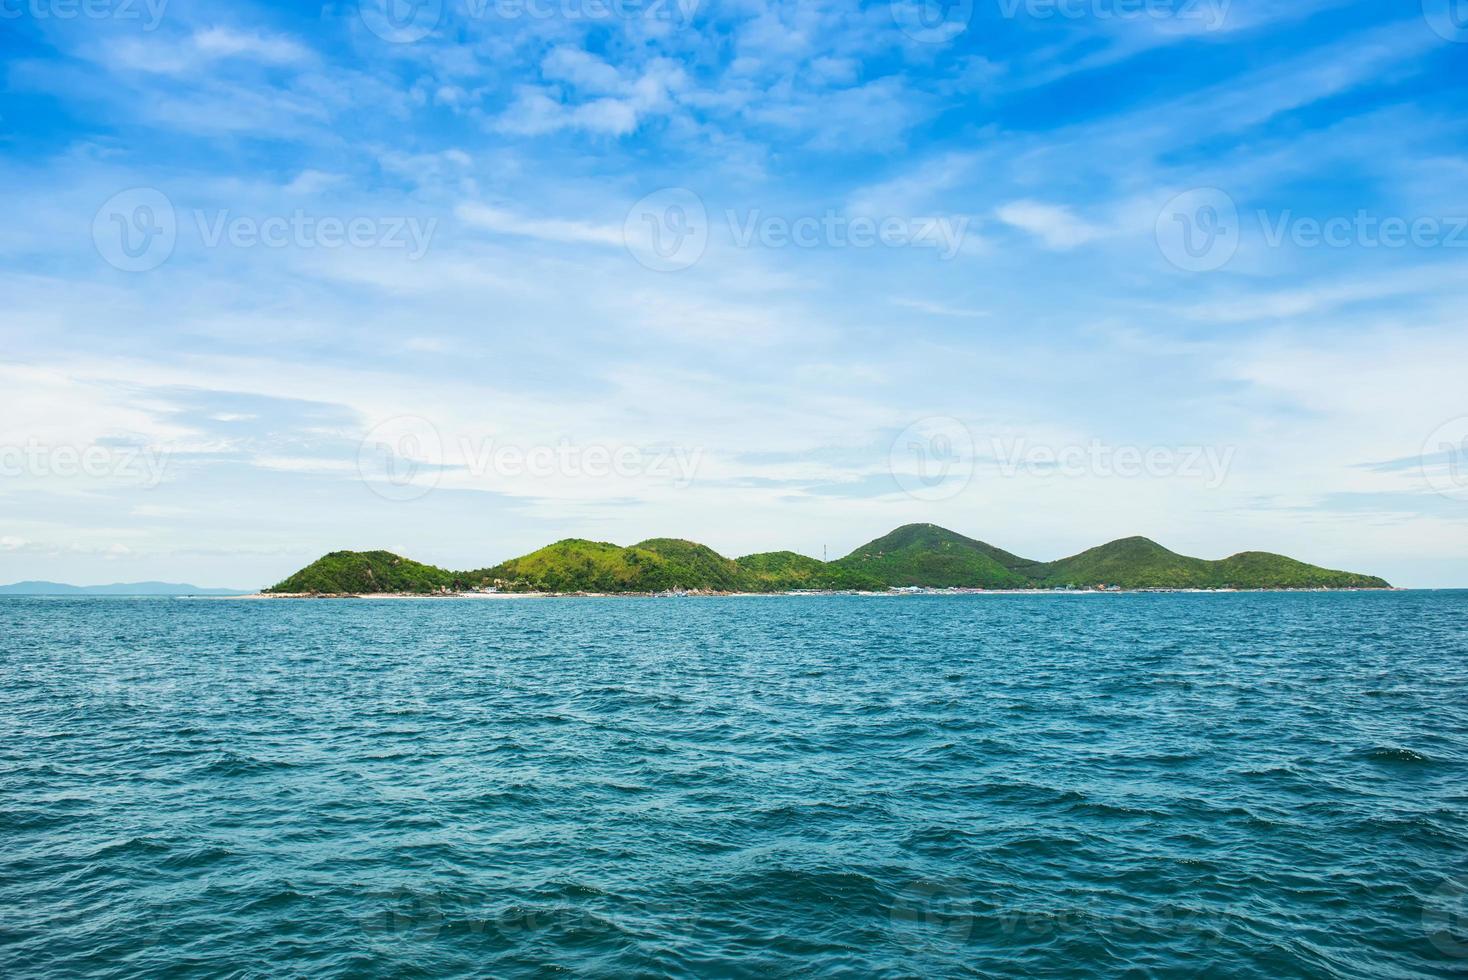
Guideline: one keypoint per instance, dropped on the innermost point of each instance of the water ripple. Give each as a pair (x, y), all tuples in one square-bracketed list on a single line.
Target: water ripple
[(1245, 785)]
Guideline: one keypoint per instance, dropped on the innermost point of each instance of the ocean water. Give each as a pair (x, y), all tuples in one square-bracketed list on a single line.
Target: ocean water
[(1251, 785)]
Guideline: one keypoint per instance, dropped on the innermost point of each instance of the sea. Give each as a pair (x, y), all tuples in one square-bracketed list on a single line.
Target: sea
[(1258, 785)]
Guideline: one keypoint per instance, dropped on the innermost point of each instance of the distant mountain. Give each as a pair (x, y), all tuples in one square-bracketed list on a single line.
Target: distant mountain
[(922, 555), (931, 556), (122, 588), (654, 565), (1138, 563), (782, 571)]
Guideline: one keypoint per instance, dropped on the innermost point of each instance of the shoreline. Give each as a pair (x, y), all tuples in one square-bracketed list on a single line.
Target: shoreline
[(891, 594)]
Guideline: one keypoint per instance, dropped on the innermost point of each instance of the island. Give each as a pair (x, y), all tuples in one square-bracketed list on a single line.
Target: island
[(915, 557)]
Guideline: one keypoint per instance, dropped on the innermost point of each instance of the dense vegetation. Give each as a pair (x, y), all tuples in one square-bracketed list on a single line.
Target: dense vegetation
[(344, 572), (915, 555), (655, 565), (782, 571), (928, 555), (1137, 563)]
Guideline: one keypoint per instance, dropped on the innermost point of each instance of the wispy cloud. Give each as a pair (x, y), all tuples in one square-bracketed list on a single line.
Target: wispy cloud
[(546, 229), (790, 366)]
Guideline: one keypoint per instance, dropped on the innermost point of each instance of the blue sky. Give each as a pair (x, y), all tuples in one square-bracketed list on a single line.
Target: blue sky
[(459, 278)]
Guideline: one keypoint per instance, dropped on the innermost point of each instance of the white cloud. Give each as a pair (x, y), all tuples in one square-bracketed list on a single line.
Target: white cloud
[(619, 106), (221, 42), (163, 55), (309, 182), (546, 229), (1055, 225), (581, 69), (941, 309)]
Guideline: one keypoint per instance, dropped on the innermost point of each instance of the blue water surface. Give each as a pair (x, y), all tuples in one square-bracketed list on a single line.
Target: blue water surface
[(1245, 785)]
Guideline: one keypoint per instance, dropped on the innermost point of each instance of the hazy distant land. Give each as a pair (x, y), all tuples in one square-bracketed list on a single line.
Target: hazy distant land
[(120, 588)]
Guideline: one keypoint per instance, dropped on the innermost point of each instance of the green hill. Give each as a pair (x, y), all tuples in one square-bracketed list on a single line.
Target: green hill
[(1132, 563), (355, 572), (575, 565), (1261, 570), (928, 555), (1137, 563), (923, 555), (655, 565), (781, 571), (688, 565)]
